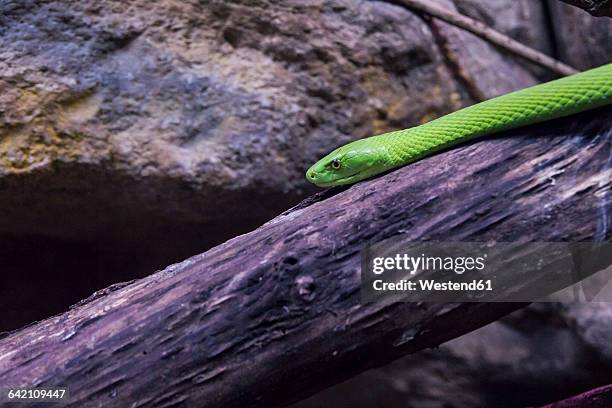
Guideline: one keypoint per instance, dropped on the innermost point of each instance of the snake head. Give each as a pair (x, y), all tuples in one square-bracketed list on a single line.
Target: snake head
[(346, 165)]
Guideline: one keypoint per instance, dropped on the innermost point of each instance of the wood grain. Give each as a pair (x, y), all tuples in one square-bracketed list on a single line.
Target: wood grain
[(274, 315)]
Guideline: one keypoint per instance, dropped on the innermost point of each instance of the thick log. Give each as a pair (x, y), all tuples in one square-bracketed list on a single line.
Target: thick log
[(597, 8), (598, 398), (274, 315)]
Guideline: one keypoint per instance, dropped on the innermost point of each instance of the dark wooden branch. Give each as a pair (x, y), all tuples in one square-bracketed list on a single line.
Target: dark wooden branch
[(274, 315), (598, 398), (597, 8)]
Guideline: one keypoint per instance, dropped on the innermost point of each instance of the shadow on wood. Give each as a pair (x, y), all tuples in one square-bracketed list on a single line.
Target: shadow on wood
[(598, 398)]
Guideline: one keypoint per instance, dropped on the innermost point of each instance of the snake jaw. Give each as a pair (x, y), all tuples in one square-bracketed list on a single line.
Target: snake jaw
[(320, 177), (357, 162), (338, 182), (324, 178)]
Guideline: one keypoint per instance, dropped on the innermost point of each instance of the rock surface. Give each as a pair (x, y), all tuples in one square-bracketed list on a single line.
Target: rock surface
[(581, 40), (134, 134)]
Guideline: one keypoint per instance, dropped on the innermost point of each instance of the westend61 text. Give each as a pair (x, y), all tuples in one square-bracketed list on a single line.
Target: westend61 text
[(432, 285)]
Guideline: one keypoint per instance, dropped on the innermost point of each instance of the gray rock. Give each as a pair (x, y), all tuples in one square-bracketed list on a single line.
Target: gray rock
[(525, 21), (581, 39), (592, 322), (135, 134)]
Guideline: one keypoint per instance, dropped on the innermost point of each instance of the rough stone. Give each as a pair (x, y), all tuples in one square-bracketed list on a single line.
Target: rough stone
[(581, 39), (135, 134)]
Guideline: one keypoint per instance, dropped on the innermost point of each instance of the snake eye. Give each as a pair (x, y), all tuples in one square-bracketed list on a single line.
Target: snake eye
[(335, 164)]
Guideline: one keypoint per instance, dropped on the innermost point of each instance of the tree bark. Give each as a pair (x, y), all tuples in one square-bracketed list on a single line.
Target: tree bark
[(598, 398), (597, 8), (274, 315)]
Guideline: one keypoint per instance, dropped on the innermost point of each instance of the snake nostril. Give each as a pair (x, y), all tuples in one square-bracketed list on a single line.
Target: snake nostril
[(312, 175)]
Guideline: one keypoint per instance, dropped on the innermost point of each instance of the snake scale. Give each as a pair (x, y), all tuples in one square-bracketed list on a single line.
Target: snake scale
[(368, 157)]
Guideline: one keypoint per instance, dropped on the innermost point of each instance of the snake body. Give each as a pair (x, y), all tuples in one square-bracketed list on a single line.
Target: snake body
[(367, 157)]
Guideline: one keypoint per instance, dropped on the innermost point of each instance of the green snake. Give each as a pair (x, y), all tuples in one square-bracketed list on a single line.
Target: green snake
[(368, 157)]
